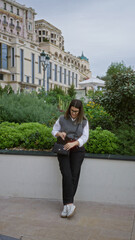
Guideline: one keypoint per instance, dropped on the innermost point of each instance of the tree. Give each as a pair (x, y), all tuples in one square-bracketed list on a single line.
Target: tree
[(71, 91), (119, 97), (116, 68)]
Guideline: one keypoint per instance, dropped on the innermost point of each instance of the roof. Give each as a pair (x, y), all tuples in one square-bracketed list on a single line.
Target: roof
[(84, 58)]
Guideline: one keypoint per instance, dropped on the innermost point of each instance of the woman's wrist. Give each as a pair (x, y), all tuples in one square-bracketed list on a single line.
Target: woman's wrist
[(57, 134)]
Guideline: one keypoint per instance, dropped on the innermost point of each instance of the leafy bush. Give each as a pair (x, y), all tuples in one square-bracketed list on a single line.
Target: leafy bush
[(126, 140), (25, 107), (26, 135), (101, 141), (9, 135), (97, 116), (119, 97)]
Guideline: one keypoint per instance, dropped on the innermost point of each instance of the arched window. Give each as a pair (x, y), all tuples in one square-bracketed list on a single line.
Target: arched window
[(60, 56), (56, 54)]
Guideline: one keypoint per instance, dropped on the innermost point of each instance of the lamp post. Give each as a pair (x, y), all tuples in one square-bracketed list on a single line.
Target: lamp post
[(45, 62)]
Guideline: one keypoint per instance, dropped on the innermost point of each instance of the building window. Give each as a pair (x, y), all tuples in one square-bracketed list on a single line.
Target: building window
[(76, 80), (33, 67), (39, 82), (50, 70), (18, 12), (11, 9), (39, 39), (30, 27), (60, 79), (30, 15), (1, 76), (43, 32), (21, 64), (64, 76), (3, 56), (55, 72), (11, 21), (72, 78), (27, 79), (12, 57), (12, 77), (18, 24), (39, 32), (5, 7), (68, 77), (4, 18), (39, 64)]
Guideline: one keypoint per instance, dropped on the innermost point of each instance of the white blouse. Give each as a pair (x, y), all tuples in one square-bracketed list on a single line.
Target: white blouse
[(82, 140)]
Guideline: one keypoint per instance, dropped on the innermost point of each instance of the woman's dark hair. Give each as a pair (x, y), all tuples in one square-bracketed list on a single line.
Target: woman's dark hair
[(77, 104)]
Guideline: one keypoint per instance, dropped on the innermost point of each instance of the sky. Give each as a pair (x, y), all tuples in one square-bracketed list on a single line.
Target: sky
[(104, 30)]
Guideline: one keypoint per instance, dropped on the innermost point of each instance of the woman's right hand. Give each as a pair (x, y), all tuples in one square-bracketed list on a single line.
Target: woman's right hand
[(61, 134)]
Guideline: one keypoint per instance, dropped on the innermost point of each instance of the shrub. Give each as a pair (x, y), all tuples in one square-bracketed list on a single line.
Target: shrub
[(25, 107), (27, 135), (97, 116), (9, 135), (101, 141), (119, 97), (126, 140)]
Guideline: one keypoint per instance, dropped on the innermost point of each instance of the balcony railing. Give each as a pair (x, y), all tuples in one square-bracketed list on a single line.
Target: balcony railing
[(11, 25), (5, 23), (18, 28)]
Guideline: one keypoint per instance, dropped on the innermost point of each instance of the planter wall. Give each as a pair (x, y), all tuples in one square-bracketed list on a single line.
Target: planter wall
[(102, 180)]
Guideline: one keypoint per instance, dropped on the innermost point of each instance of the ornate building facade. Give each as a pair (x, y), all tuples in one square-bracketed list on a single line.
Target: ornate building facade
[(22, 40)]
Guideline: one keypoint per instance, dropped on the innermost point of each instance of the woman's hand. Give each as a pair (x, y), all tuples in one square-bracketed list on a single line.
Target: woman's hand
[(70, 145), (61, 134)]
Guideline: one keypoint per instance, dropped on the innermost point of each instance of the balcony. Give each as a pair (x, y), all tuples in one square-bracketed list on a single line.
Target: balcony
[(5, 23), (11, 25), (18, 28)]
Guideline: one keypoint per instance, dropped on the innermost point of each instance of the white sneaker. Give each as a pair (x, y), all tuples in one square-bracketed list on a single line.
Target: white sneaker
[(64, 212), (70, 210)]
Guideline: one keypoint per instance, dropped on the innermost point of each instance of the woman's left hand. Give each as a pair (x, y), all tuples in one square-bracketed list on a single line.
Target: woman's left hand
[(70, 145)]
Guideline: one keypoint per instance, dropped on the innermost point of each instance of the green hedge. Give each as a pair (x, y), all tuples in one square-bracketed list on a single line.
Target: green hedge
[(38, 136), (101, 141), (26, 135)]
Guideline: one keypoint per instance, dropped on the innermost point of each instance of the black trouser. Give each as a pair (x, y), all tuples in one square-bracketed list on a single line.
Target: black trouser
[(70, 167)]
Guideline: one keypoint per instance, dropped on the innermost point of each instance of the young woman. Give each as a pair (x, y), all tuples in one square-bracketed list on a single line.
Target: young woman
[(72, 130)]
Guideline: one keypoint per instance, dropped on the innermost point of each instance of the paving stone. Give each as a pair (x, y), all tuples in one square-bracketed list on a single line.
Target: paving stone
[(39, 219)]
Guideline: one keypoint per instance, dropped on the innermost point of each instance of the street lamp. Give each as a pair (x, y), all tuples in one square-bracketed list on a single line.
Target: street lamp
[(45, 62)]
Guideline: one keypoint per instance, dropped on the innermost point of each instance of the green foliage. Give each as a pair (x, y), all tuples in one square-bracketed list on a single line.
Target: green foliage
[(91, 94), (7, 89), (26, 135), (126, 140), (101, 141), (27, 108), (97, 116), (119, 98), (64, 102), (71, 91), (56, 96), (116, 68), (9, 135), (58, 91)]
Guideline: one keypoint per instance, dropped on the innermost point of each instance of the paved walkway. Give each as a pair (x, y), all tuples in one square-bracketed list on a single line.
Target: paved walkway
[(38, 219)]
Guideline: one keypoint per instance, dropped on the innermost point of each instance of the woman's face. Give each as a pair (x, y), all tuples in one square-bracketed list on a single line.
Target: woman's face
[(74, 112)]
